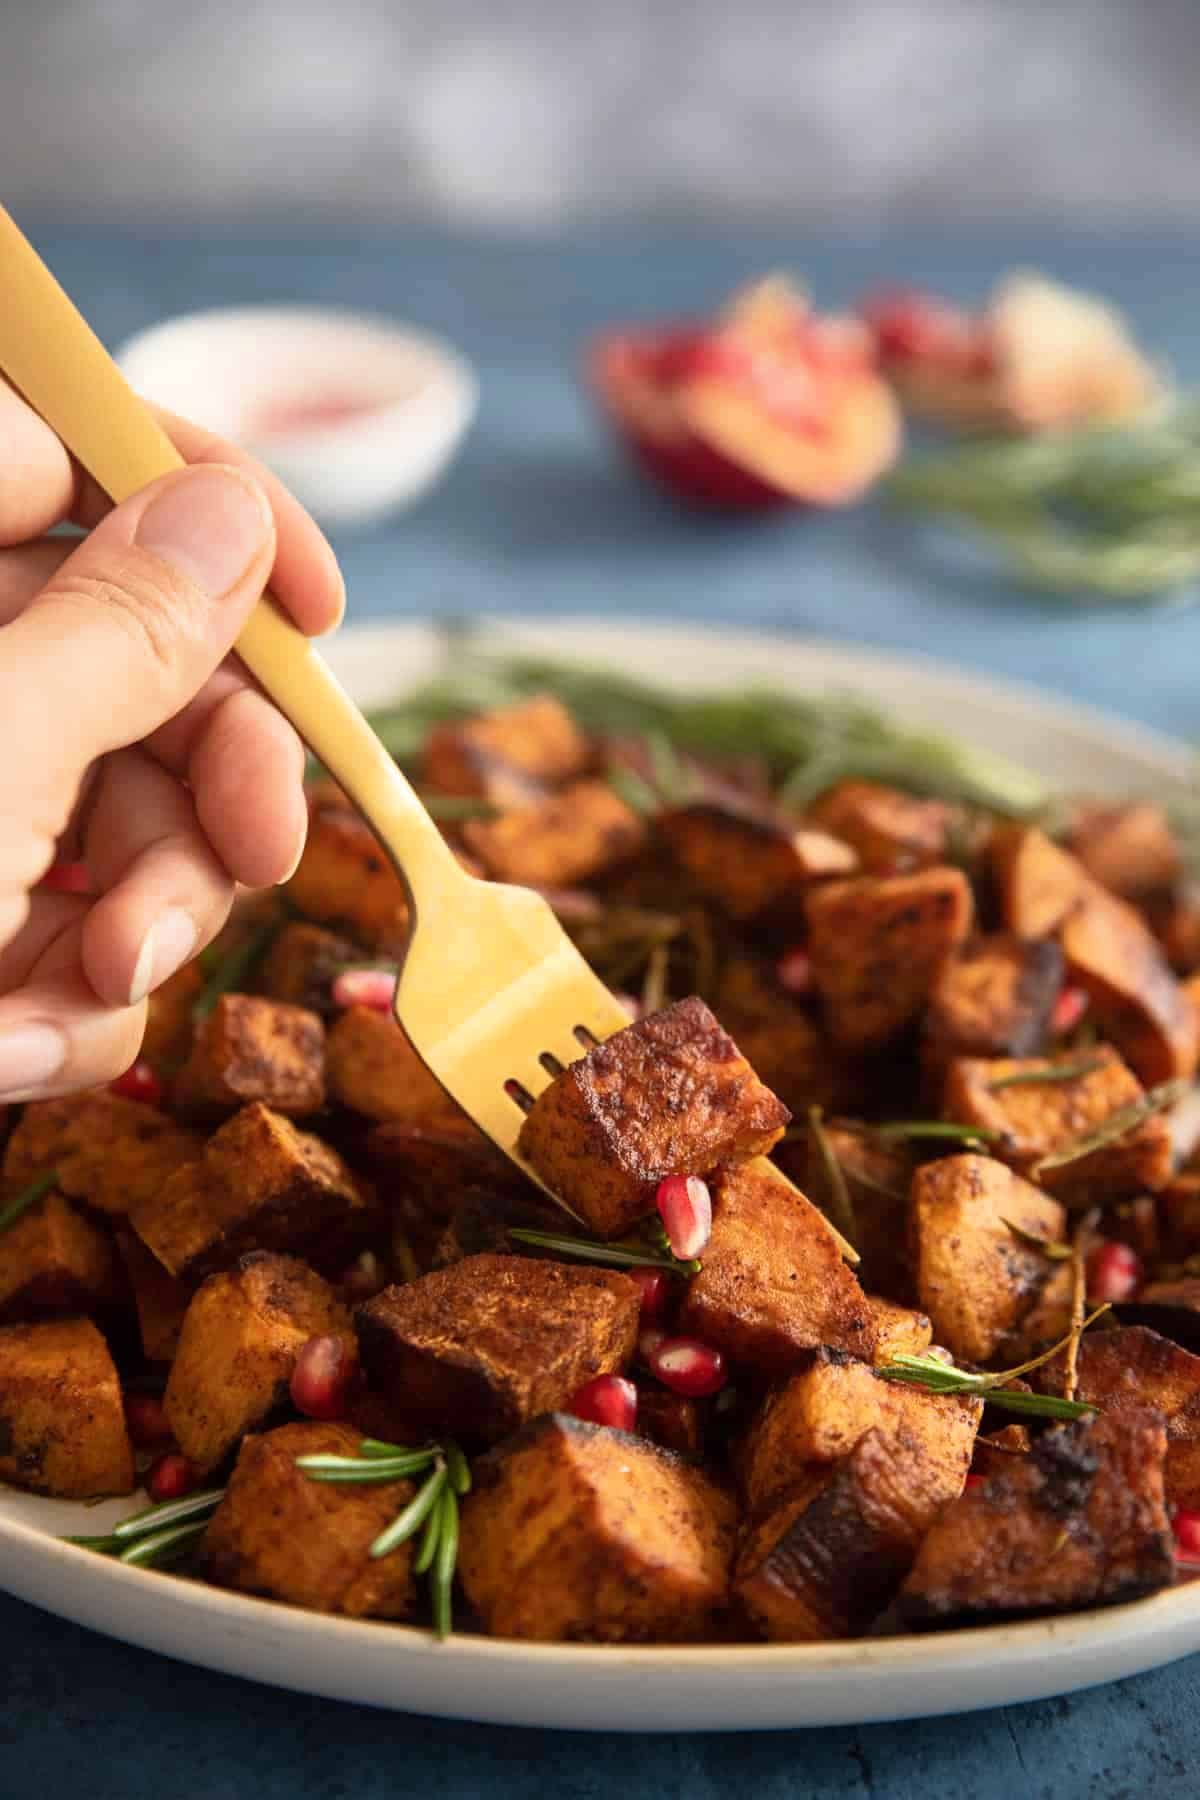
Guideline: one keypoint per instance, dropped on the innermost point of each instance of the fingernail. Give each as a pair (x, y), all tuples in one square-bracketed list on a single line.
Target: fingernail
[(301, 847), (30, 1055), (165, 948), (210, 524)]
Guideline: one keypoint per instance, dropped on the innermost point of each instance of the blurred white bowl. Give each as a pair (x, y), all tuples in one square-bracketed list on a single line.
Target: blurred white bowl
[(356, 415)]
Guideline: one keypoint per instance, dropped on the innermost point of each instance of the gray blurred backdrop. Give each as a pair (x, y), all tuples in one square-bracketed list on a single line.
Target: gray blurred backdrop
[(536, 112)]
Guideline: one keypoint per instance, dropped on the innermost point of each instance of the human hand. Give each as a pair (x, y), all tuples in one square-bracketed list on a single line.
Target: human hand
[(128, 741)]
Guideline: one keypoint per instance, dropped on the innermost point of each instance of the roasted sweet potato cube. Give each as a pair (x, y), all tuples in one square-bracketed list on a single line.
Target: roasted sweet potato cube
[(566, 838), (1038, 884), (1047, 1320), (53, 1260), (169, 1016), (1079, 1522), (482, 1221), (878, 944), (669, 1095), (62, 1419), (820, 1413), (372, 1068), (573, 1532), (992, 1453), (828, 1560), (240, 1339), (671, 1420), (1037, 1119), (976, 1278), (891, 831), (345, 880), (491, 755), (422, 1173), (748, 859), (1176, 923), (1180, 1203), (877, 1175), (260, 1184), (309, 1542), (994, 998), (300, 966), (254, 1049), (786, 1046), (160, 1300), (1139, 1004), (109, 1152), (482, 1347), (899, 1329), (772, 1283), (1130, 849)]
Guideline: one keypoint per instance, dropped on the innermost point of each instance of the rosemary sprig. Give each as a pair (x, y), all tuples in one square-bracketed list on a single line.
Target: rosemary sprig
[(29, 1196), (408, 1522), (1047, 1247), (841, 1203), (940, 1377), (912, 1130), (1053, 1072), (1079, 1245), (617, 1256), (228, 975), (1116, 1126), (158, 1534)]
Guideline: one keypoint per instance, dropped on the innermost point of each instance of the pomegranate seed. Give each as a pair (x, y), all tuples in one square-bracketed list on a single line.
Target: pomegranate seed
[(608, 1400), (1068, 1012), (171, 1477), (146, 1422), (1114, 1272), (974, 1481), (67, 878), (321, 1378), (793, 971), (648, 1341), (375, 988), (139, 1082), (655, 1286), (1186, 1525), (687, 1366), (685, 1208)]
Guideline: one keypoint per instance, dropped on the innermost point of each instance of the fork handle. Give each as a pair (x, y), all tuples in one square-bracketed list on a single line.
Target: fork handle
[(56, 361)]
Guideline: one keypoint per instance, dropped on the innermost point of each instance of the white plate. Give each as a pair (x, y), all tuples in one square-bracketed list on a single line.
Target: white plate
[(700, 1688)]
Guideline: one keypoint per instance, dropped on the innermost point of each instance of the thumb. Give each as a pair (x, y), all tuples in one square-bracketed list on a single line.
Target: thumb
[(129, 628)]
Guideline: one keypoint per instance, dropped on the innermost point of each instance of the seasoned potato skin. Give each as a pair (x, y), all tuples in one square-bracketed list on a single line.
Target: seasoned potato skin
[(240, 1339), (110, 1152), (62, 1420), (492, 755), (975, 1278), (1132, 1368), (307, 1542), (1039, 1118), (53, 1260), (565, 838), (891, 831), (345, 881), (372, 1067), (576, 1533), (994, 998), (878, 944), (1139, 1004), (671, 1094), (482, 1347), (1079, 1522), (772, 1283), (260, 1184), (747, 860), (254, 1049)]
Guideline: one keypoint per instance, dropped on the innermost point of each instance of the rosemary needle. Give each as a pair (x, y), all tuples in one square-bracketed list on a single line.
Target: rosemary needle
[(445, 1558), (1053, 1072), (413, 1517), (1115, 1127), (26, 1198)]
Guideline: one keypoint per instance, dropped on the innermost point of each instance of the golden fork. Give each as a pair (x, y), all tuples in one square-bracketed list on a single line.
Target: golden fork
[(491, 990)]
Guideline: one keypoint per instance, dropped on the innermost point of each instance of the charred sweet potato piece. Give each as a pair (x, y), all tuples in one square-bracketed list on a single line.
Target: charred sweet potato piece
[(773, 1284), (1130, 849), (253, 1049), (566, 838), (878, 1175), (671, 1420), (260, 1184), (891, 831), (62, 1419), (819, 1414), (372, 1067), (1038, 1119), (499, 754), (240, 1339), (308, 1542), (827, 1561), (109, 1152), (573, 1532), (994, 998), (786, 1046), (300, 965), (1078, 1522), (1038, 884), (878, 944), (422, 1173), (1139, 1004), (483, 1219), (484, 1346), (345, 881), (160, 1300), (899, 1329), (169, 1021), (53, 1260), (747, 859), (669, 1095), (975, 1277)]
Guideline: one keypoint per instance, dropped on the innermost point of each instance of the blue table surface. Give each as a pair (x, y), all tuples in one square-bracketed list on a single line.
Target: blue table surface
[(539, 516)]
